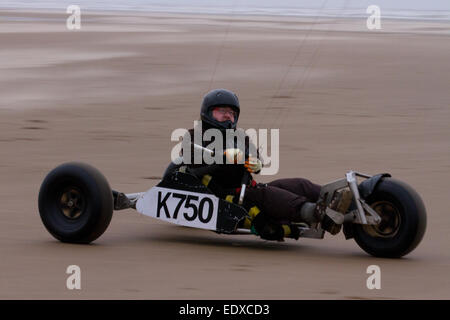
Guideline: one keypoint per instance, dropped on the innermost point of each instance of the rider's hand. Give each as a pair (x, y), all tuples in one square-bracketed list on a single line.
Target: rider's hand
[(253, 165), (233, 155)]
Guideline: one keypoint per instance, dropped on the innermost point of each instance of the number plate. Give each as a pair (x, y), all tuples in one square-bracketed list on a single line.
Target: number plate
[(185, 208)]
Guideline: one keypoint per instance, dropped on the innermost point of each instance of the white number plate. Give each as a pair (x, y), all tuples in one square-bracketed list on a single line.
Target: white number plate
[(185, 208)]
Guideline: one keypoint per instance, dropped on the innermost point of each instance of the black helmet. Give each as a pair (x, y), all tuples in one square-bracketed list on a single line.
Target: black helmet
[(219, 97)]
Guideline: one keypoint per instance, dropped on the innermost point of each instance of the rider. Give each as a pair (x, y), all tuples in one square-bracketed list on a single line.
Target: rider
[(278, 202)]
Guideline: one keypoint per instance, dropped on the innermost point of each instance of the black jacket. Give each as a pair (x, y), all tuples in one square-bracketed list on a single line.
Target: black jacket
[(224, 177)]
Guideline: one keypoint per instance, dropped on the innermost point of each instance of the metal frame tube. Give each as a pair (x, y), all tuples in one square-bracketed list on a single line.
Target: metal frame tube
[(351, 179), (133, 197)]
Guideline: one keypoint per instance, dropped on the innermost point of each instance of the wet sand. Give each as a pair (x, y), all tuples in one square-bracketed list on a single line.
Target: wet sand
[(110, 95)]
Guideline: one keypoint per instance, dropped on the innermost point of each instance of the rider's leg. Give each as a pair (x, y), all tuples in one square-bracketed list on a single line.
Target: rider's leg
[(277, 203), (305, 212), (311, 191), (293, 200), (299, 186)]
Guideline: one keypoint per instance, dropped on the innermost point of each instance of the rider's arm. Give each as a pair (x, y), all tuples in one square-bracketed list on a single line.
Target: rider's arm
[(189, 157), (253, 161)]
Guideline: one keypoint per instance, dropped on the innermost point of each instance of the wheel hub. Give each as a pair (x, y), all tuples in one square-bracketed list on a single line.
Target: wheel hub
[(72, 203), (390, 220)]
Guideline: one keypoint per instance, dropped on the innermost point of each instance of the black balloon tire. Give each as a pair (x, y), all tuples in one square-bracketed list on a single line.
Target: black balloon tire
[(97, 201), (412, 224)]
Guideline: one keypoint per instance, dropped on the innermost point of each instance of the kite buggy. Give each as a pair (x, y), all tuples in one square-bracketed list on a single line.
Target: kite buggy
[(385, 216)]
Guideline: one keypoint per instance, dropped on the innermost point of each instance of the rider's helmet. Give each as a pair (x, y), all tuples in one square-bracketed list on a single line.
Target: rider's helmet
[(216, 98)]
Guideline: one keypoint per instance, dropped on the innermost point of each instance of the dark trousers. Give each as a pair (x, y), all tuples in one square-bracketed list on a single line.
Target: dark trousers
[(282, 199)]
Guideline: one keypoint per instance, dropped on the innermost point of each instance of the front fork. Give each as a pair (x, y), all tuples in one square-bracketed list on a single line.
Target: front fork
[(327, 194), (361, 205)]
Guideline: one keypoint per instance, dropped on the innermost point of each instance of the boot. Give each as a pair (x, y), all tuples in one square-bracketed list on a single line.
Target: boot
[(340, 203), (311, 213)]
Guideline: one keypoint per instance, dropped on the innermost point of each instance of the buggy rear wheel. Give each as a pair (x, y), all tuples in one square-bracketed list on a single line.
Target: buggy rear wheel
[(75, 203)]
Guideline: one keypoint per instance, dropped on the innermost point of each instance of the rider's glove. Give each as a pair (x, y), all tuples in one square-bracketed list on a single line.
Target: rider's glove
[(233, 155), (267, 230), (253, 165)]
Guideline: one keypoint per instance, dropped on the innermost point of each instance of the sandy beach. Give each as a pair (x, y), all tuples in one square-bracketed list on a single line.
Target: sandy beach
[(110, 94)]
